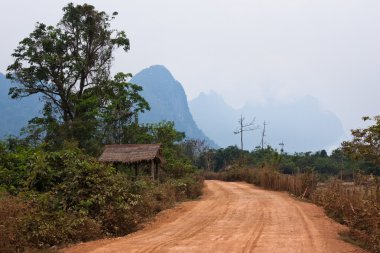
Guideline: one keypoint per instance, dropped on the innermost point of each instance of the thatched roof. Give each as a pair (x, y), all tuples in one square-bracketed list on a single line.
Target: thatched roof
[(131, 153)]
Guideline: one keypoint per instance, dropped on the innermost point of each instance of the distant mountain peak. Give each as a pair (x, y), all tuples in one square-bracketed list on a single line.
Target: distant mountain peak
[(213, 96), (168, 101), (158, 71), (15, 114)]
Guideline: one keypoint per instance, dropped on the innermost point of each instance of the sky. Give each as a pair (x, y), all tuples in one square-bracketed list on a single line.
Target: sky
[(245, 50)]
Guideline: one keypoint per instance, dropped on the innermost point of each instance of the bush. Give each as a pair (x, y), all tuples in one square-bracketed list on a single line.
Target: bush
[(45, 229), (12, 212), (354, 206), (66, 197)]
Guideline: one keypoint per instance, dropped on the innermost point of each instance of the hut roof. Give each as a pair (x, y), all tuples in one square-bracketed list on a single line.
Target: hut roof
[(131, 153)]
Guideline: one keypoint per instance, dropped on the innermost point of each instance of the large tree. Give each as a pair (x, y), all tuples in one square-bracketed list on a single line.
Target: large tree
[(365, 145), (69, 66)]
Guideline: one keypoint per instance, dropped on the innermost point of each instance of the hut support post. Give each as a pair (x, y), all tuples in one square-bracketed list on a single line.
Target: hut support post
[(136, 170), (152, 169), (156, 169)]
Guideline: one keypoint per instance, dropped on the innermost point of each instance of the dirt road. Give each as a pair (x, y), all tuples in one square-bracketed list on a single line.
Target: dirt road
[(233, 217)]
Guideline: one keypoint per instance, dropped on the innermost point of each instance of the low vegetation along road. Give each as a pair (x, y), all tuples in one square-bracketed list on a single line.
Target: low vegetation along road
[(233, 217)]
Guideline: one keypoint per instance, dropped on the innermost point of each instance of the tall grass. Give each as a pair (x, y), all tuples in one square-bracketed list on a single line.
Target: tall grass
[(302, 185), (355, 205)]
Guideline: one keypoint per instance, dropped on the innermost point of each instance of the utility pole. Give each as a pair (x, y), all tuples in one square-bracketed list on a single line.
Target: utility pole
[(263, 135), (245, 128), (282, 146)]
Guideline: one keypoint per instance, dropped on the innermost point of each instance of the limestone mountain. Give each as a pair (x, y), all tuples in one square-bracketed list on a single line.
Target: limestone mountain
[(168, 101)]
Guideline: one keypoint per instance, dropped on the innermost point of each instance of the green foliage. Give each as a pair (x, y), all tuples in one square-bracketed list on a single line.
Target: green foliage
[(166, 134), (177, 163), (122, 102), (320, 161), (62, 62), (67, 196), (227, 156), (61, 194), (13, 168), (365, 145), (68, 65)]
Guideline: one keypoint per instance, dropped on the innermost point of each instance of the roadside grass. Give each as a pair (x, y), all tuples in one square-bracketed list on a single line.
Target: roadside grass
[(33, 226), (355, 205), (349, 238)]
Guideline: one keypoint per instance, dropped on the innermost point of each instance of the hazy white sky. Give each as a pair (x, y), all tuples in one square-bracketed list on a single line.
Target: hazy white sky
[(243, 49)]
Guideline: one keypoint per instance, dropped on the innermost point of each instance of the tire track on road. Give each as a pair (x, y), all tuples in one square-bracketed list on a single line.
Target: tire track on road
[(234, 217), (195, 228)]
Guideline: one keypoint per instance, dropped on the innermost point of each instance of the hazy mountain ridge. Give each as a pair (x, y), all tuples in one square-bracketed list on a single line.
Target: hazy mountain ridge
[(15, 114), (165, 95), (302, 124), (167, 100)]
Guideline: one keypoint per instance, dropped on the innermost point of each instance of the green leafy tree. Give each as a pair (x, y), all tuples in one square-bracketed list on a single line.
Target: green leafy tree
[(120, 107), (62, 62), (68, 65), (365, 145)]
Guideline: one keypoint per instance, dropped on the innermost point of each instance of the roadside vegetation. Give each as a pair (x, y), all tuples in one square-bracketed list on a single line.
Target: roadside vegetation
[(346, 183), (53, 190), (52, 198)]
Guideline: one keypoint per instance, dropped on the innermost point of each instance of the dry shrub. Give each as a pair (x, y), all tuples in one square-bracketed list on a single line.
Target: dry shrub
[(146, 199), (210, 175), (168, 193), (234, 174), (163, 197), (12, 212), (355, 206), (43, 229), (23, 227), (302, 185), (194, 187)]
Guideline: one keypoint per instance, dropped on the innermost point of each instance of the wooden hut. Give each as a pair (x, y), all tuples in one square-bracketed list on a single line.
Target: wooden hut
[(135, 155)]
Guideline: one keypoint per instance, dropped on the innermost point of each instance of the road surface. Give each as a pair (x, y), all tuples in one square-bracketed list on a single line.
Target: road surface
[(233, 217)]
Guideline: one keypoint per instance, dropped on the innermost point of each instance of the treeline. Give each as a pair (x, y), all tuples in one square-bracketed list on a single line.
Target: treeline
[(339, 163), (53, 190)]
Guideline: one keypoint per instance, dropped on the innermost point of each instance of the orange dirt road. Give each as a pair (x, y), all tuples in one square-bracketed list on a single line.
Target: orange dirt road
[(232, 217)]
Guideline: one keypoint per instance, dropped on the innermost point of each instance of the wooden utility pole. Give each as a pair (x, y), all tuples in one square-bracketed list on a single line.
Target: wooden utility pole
[(282, 146), (244, 128), (263, 134)]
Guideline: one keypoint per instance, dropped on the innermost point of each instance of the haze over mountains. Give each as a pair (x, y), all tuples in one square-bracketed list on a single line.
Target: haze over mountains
[(168, 101), (301, 124), (165, 95), (15, 114)]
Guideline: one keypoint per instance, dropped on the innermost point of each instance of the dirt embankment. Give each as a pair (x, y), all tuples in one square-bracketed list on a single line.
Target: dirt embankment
[(233, 217)]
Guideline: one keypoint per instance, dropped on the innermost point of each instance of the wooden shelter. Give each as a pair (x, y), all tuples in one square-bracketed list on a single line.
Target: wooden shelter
[(135, 155)]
